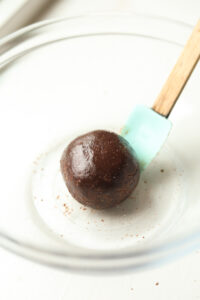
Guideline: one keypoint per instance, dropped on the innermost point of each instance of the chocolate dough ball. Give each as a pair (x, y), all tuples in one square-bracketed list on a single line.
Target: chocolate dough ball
[(100, 169)]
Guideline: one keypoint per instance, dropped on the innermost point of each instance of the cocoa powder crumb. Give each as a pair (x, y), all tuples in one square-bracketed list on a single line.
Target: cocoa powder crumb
[(157, 283), (67, 211), (162, 170)]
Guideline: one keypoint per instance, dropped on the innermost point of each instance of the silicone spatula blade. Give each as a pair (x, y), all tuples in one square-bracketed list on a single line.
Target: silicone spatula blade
[(146, 131)]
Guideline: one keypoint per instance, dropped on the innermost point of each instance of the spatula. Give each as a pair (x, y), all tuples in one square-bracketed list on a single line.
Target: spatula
[(148, 128)]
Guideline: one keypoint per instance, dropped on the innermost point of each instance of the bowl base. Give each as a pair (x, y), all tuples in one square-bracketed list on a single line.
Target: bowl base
[(152, 209)]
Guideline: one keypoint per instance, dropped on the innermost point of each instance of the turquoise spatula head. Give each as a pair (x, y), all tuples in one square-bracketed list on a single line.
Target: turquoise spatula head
[(146, 131)]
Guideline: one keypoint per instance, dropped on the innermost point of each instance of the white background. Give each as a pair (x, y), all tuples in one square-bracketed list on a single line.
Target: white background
[(24, 280), (184, 10)]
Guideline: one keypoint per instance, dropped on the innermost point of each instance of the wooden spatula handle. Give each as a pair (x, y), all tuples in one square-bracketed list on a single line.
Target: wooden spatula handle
[(179, 75)]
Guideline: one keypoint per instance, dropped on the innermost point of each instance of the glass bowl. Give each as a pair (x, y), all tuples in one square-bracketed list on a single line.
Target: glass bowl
[(65, 77)]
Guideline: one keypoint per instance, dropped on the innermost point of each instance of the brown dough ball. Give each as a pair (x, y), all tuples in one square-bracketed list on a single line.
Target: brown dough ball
[(100, 169)]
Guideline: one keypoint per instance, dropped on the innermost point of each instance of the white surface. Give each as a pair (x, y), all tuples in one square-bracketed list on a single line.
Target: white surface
[(24, 280), (183, 10), (21, 279)]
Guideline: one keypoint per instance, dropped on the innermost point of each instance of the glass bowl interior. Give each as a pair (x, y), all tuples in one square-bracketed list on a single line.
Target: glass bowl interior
[(62, 78)]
